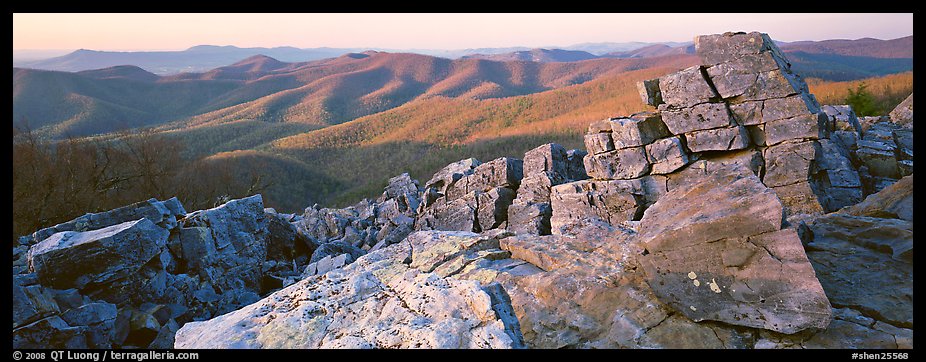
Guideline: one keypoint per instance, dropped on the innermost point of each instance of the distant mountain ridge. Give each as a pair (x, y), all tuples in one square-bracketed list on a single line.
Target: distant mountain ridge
[(900, 48), (538, 55), (203, 58), (196, 59), (655, 50), (865, 47)]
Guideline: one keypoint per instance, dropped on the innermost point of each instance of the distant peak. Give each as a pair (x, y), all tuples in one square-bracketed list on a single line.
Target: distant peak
[(356, 55), (257, 58), (255, 63), (362, 55), (121, 71)]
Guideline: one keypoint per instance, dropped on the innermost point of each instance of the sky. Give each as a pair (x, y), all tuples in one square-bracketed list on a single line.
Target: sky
[(426, 31)]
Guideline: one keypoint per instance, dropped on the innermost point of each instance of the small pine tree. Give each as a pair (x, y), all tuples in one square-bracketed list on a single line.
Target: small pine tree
[(862, 101)]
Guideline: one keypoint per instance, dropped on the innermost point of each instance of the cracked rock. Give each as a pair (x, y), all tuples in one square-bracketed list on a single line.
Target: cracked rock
[(73, 259), (376, 302), (722, 251)]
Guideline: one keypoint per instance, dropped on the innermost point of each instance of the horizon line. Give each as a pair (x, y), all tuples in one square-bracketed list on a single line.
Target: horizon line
[(413, 48)]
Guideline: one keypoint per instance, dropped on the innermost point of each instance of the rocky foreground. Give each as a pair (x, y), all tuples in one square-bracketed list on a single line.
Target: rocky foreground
[(739, 213)]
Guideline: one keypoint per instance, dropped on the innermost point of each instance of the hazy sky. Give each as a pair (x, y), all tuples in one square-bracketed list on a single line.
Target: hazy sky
[(435, 31)]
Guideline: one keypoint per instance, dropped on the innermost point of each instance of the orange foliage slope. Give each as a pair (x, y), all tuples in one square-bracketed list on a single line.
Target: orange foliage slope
[(888, 90), (448, 121)]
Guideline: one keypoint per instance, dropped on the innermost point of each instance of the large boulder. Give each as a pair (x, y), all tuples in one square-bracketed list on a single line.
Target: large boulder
[(699, 117), (550, 158), (718, 139), (530, 217), (47, 332), (500, 172), (164, 213), (842, 181), (281, 237), (589, 291), (99, 319), (72, 259), (620, 164), (791, 162), (720, 48), (238, 231), (667, 155), (895, 201), (685, 88), (719, 253), (446, 176), (404, 190), (863, 257)]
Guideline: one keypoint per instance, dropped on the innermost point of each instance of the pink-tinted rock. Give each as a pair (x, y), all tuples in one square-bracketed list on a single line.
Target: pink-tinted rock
[(719, 253)]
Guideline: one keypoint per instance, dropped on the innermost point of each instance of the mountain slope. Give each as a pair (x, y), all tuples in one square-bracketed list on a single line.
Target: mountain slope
[(426, 134), (129, 72), (865, 47), (837, 67), (77, 104), (261, 88)]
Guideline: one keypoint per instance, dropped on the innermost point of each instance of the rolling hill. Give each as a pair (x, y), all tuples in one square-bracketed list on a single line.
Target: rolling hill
[(836, 67), (317, 93), (865, 47), (424, 135)]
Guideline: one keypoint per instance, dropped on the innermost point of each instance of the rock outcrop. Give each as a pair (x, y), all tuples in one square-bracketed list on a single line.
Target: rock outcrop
[(544, 167), (133, 275), (337, 237), (592, 290), (863, 257), (163, 213), (471, 196), (742, 99), (389, 298)]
